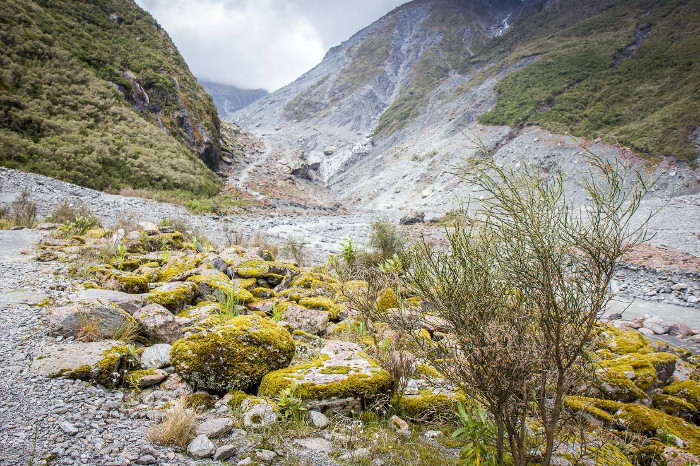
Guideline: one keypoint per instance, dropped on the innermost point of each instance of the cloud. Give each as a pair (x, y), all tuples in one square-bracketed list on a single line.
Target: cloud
[(260, 43)]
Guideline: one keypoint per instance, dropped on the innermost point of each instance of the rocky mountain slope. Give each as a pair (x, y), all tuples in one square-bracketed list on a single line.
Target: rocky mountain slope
[(229, 99), (96, 93), (388, 113)]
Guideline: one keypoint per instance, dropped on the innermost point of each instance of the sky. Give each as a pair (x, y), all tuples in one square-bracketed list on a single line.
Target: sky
[(261, 43)]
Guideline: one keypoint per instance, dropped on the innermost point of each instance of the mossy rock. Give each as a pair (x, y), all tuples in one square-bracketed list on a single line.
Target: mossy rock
[(686, 390), (342, 372), (616, 385), (246, 283), (233, 356), (237, 397), (387, 300), (646, 370), (126, 282), (263, 293), (200, 400), (178, 266), (623, 342), (430, 403), (175, 296), (322, 303), (673, 405), (164, 241), (217, 285), (648, 422)]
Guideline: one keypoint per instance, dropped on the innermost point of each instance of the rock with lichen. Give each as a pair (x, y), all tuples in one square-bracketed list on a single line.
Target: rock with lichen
[(77, 320), (235, 355), (342, 379)]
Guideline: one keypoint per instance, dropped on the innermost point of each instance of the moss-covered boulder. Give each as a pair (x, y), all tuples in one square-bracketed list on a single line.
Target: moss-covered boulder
[(233, 356), (217, 285), (127, 282), (177, 268), (174, 296), (341, 380)]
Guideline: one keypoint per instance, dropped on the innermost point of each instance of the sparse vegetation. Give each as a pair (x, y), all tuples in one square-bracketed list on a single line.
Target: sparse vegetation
[(22, 212), (177, 427)]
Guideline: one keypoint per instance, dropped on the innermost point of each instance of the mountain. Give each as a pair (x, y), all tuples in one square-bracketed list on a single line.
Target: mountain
[(387, 113), (96, 93), (229, 99)]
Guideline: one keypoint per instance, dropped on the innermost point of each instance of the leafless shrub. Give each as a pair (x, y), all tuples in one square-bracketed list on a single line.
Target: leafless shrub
[(295, 247), (127, 221), (68, 212), (23, 210)]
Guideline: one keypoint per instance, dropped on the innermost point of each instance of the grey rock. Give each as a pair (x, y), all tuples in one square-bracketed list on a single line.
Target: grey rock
[(214, 428), (68, 428), (318, 419), (266, 455), (156, 356), (258, 414), (67, 321), (657, 325), (128, 302), (357, 454), (201, 447), (225, 452), (308, 320), (680, 330), (315, 443), (158, 323), (412, 218)]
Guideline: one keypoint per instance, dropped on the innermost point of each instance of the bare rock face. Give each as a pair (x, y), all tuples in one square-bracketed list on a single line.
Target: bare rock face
[(128, 302), (99, 320)]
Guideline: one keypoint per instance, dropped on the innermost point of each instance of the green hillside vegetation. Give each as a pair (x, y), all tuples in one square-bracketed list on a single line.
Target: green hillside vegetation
[(67, 111), (591, 83)]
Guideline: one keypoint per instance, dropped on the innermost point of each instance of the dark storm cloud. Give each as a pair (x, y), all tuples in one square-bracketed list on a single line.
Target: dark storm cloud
[(261, 43)]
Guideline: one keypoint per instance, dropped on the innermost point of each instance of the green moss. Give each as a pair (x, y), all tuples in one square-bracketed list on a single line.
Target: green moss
[(263, 293), (610, 455), (335, 370), (318, 302), (582, 404), (213, 285), (673, 405), (246, 283), (428, 371), (624, 341), (178, 265), (133, 378), (115, 363), (641, 367), (235, 355), (174, 297), (387, 300), (430, 404), (686, 390), (237, 398), (616, 385), (200, 401), (82, 373)]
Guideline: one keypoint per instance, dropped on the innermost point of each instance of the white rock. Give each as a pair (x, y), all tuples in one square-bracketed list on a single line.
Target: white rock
[(266, 455), (214, 428), (201, 447), (257, 413), (645, 331), (156, 356), (315, 443), (657, 325), (357, 454), (318, 419)]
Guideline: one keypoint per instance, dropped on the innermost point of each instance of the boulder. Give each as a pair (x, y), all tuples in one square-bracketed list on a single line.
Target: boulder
[(103, 320), (258, 412), (341, 380), (201, 447), (105, 362), (214, 284), (308, 320), (158, 323), (318, 419), (214, 428), (233, 356), (680, 330), (174, 296), (156, 356), (317, 443), (128, 302), (148, 227), (225, 452), (412, 218), (657, 325)]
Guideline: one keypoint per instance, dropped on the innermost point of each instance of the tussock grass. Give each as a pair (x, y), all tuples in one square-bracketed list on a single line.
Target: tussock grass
[(177, 427)]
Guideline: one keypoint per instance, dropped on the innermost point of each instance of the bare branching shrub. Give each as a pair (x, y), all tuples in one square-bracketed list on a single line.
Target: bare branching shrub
[(177, 427), (517, 293), (233, 236), (295, 247), (127, 222), (23, 210), (177, 224), (68, 212)]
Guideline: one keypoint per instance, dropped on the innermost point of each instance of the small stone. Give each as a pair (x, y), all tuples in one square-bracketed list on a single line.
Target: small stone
[(411, 388), (433, 433), (201, 447), (318, 419), (245, 461), (316, 443), (693, 300), (148, 227), (156, 356), (680, 330), (657, 325), (214, 428), (225, 452), (67, 428), (357, 454), (266, 455), (400, 426), (646, 332)]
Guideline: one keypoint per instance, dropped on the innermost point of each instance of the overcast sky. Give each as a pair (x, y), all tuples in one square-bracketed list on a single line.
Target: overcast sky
[(261, 43)]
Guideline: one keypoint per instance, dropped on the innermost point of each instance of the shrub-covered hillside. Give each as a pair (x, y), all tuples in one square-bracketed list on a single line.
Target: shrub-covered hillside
[(96, 93), (626, 71)]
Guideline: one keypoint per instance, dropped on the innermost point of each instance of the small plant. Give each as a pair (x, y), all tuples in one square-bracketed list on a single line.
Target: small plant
[(230, 306), (22, 212), (89, 328), (477, 433), (385, 239), (127, 332), (277, 312), (177, 427), (393, 265), (65, 212), (291, 404), (348, 251), (78, 227)]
